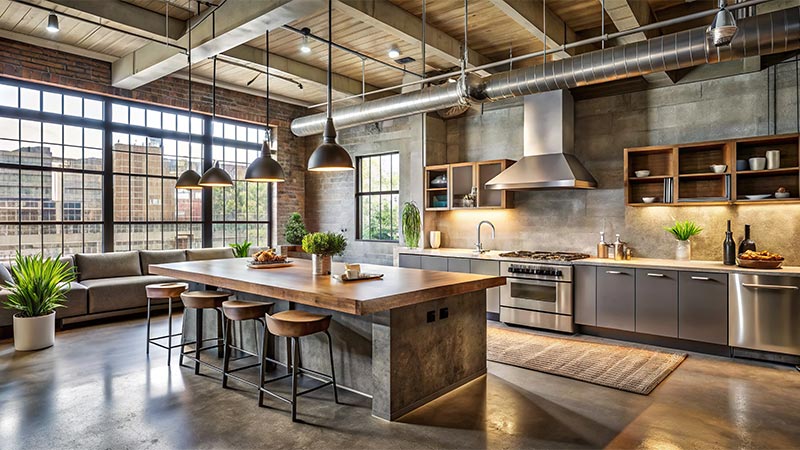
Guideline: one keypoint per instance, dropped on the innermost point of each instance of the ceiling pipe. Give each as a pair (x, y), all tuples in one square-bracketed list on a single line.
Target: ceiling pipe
[(766, 34)]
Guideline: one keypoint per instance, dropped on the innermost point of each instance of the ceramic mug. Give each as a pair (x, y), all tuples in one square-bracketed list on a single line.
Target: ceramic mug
[(436, 239), (773, 159)]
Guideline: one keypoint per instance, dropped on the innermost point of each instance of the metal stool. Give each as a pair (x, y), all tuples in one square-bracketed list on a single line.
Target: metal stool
[(200, 301), (294, 324), (238, 311), (166, 291)]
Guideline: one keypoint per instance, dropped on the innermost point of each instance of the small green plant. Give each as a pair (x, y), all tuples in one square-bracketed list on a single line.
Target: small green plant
[(295, 229), (683, 231), (40, 285), (241, 250), (411, 224), (324, 244)]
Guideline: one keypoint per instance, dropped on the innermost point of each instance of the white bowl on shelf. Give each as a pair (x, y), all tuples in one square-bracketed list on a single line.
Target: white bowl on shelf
[(783, 194), (642, 173), (649, 199), (758, 163), (757, 196), (718, 168)]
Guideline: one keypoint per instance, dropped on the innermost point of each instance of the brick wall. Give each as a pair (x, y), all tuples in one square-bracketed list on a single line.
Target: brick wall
[(29, 62)]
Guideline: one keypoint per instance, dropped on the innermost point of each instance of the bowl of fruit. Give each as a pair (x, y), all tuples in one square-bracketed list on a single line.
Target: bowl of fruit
[(759, 260), (268, 259)]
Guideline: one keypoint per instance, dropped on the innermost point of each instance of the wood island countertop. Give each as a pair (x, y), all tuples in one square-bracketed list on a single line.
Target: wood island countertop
[(399, 287)]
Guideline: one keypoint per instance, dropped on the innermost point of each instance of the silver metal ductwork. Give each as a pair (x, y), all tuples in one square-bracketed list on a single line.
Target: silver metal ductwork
[(776, 32), (548, 142)]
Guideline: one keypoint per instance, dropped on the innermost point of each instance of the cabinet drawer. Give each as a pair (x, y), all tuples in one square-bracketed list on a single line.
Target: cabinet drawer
[(615, 298), (410, 261), (458, 265), (585, 284), (703, 307), (434, 263), (657, 302)]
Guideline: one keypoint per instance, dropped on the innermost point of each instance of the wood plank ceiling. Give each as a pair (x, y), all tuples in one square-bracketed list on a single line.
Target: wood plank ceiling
[(491, 33)]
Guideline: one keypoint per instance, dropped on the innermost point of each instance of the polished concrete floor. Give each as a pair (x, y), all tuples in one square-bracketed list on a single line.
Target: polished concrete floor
[(97, 389)]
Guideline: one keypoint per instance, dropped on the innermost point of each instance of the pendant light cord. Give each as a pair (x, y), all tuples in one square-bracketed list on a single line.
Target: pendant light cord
[(267, 131), (189, 54), (330, 47)]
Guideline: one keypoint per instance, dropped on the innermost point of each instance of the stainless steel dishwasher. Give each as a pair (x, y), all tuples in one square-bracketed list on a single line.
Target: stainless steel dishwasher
[(764, 313)]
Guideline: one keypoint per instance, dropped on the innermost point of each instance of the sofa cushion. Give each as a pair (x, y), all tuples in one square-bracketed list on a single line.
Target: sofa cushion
[(148, 257), (200, 254), (75, 305), (92, 266), (118, 293)]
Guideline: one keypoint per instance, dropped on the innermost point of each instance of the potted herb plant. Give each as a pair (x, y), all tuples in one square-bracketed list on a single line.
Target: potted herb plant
[(322, 246), (294, 233), (40, 286), (241, 250), (683, 232), (411, 224)]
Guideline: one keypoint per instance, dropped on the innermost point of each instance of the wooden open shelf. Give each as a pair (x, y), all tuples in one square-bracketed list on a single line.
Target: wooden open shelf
[(461, 179), (694, 183)]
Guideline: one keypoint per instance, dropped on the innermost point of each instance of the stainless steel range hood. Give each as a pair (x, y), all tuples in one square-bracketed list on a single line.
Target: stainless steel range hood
[(548, 142)]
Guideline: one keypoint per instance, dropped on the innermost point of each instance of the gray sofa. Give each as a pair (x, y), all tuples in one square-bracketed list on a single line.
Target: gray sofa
[(113, 284)]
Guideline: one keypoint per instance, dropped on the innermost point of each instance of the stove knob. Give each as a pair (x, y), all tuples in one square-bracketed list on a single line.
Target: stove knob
[(539, 272), (558, 273)]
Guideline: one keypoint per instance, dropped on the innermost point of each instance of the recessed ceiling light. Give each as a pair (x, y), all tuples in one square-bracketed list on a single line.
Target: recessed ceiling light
[(52, 23), (394, 52)]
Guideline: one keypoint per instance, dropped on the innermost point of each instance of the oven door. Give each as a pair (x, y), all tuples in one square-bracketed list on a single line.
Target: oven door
[(537, 295)]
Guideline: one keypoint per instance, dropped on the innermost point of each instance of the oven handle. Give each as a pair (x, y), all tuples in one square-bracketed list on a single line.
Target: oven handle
[(771, 286), (533, 282)]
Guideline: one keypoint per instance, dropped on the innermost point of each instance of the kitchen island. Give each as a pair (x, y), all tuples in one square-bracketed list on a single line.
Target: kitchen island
[(403, 340)]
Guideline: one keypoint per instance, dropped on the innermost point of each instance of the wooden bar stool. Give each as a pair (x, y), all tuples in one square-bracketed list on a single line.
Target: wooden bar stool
[(294, 324), (239, 311), (201, 301), (167, 291)]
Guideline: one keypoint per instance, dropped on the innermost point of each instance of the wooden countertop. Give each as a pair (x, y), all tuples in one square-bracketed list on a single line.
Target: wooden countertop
[(399, 287), (705, 266)]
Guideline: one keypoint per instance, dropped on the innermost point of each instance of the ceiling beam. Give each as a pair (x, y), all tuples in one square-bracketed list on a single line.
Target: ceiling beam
[(395, 21), (629, 14), (305, 73), (126, 14), (244, 89), (530, 15), (235, 25)]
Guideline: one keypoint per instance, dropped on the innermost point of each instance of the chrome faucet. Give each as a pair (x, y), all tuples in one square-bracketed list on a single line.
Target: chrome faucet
[(478, 246)]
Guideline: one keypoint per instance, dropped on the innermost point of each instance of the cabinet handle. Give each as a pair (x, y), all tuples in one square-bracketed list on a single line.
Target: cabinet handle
[(659, 275), (614, 272), (771, 286), (701, 278)]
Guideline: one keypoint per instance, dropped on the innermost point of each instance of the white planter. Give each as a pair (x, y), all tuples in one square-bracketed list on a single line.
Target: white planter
[(683, 251), (34, 333), (321, 264)]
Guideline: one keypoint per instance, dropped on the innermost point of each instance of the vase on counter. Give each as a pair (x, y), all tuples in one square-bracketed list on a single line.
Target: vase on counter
[(683, 250), (321, 264), (436, 239)]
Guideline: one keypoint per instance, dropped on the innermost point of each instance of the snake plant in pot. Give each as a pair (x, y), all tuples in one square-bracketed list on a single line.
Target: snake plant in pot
[(39, 286), (322, 246)]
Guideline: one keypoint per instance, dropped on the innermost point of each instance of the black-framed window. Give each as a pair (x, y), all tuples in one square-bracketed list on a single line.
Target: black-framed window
[(378, 197), (84, 172)]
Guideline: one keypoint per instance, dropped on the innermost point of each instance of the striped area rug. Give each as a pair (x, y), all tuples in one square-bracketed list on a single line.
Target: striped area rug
[(629, 369)]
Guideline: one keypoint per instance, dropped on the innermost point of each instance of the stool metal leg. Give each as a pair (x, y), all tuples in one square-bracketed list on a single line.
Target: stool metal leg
[(263, 367), (333, 372), (198, 337), (289, 355), (169, 328), (296, 358), (183, 336), (227, 358), (148, 325), (220, 333)]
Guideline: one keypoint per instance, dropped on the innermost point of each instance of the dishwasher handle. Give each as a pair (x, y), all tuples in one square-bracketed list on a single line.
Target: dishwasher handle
[(777, 287)]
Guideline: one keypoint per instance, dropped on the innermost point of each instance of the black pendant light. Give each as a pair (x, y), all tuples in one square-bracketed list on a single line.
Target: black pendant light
[(330, 156), (265, 169), (189, 178), (216, 176)]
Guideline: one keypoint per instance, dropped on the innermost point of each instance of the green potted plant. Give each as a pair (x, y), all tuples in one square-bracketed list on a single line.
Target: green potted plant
[(411, 224), (683, 232), (322, 246), (241, 250), (40, 286), (295, 229)]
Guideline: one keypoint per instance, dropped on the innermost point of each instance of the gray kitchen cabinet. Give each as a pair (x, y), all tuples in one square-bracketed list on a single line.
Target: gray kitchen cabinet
[(410, 261), (703, 307), (458, 265), (657, 302), (585, 285), (616, 291), (434, 263), (484, 267)]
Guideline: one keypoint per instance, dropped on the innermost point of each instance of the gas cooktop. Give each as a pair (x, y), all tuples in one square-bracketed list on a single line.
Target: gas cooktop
[(545, 256)]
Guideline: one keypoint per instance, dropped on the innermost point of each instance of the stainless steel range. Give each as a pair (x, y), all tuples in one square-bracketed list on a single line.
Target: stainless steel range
[(538, 293)]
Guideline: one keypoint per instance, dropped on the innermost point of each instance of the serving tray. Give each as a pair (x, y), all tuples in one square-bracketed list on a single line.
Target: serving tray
[(362, 277), (755, 264), (266, 265)]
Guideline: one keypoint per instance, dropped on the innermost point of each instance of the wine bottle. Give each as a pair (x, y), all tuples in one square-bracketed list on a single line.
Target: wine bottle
[(729, 248), (747, 243)]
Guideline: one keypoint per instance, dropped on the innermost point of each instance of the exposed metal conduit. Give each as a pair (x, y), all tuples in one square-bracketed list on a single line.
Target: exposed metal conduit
[(766, 34)]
